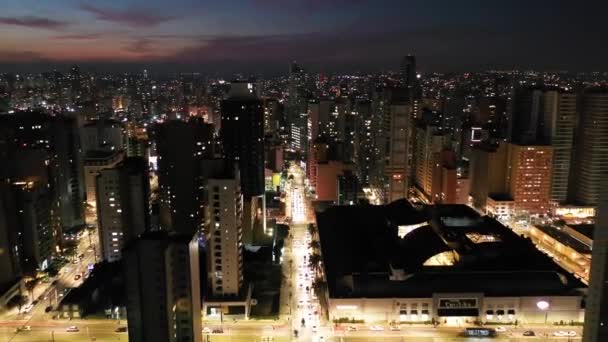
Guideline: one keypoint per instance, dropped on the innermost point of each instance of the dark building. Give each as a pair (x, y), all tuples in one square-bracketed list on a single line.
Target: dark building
[(596, 316), (163, 288), (408, 71), (46, 149), (181, 148), (242, 136)]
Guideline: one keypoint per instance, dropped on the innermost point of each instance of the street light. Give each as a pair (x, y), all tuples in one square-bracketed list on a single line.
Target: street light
[(543, 305)]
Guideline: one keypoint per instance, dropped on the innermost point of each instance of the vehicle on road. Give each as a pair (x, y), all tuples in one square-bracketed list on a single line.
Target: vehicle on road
[(376, 328), (206, 330), (48, 309), (72, 328), (560, 333), (501, 329), (217, 331), (529, 333), (77, 277), (571, 333), (394, 328), (351, 328), (314, 328), (121, 329)]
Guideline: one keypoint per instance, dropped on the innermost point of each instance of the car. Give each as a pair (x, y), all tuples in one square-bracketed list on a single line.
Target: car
[(48, 309), (218, 331), (529, 333), (376, 328), (314, 328), (77, 277), (26, 328), (560, 333), (72, 328), (35, 302), (351, 328), (121, 329), (394, 328), (571, 333), (76, 261), (206, 330), (501, 329)]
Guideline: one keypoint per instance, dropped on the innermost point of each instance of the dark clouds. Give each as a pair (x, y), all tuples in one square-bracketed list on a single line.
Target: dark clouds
[(34, 22), (134, 17)]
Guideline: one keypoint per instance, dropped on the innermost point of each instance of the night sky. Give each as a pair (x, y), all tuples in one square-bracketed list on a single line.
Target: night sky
[(326, 35)]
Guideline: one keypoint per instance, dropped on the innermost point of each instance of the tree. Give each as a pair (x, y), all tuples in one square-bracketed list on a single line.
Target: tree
[(315, 261), (312, 229), (30, 285), (315, 245)]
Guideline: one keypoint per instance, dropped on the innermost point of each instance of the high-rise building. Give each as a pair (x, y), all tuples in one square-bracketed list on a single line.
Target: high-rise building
[(181, 148), (123, 211), (488, 173), (52, 144), (397, 163), (591, 157), (10, 265), (163, 287), (596, 314), (27, 214), (93, 163), (408, 71), (365, 147), (560, 112), (529, 181), (224, 232), (242, 136), (102, 135), (429, 144)]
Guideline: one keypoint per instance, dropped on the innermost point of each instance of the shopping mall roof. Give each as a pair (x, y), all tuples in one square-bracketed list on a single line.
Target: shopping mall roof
[(397, 250)]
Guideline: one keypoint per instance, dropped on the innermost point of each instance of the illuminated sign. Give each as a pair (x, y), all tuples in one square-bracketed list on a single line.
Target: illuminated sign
[(458, 303), (476, 134)]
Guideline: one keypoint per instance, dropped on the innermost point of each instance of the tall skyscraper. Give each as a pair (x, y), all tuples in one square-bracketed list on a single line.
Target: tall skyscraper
[(242, 134), (181, 148), (591, 157), (397, 163), (10, 266), (123, 211), (596, 314), (224, 232), (429, 143), (163, 288)]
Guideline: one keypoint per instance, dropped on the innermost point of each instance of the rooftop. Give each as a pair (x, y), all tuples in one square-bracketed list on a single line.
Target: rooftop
[(444, 248)]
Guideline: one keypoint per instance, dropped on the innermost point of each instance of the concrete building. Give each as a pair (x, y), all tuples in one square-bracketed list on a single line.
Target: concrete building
[(102, 135), (529, 182), (10, 265), (443, 264), (397, 163), (93, 163), (224, 231), (430, 155), (591, 161), (123, 212), (163, 288), (596, 321)]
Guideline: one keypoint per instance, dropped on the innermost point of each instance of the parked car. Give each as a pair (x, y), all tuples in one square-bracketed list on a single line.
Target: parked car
[(72, 328), (121, 329), (529, 333)]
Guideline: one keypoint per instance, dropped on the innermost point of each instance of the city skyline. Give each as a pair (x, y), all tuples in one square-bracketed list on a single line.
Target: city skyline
[(260, 35)]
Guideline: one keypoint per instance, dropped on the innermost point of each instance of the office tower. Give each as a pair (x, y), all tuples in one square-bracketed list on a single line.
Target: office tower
[(529, 179), (591, 158), (348, 188), (123, 211), (224, 232), (181, 148), (102, 135), (488, 173), (526, 116), (596, 314), (242, 136), (318, 154), (397, 167), (163, 288), (93, 163), (52, 144)]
